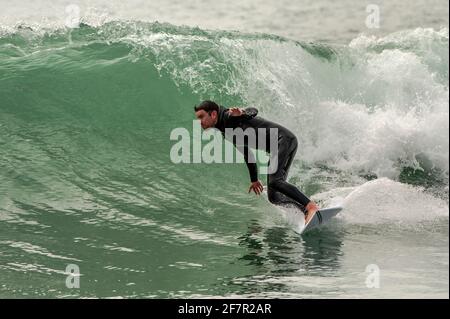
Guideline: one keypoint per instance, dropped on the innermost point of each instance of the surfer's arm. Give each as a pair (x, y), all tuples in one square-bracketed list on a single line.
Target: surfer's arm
[(250, 161)]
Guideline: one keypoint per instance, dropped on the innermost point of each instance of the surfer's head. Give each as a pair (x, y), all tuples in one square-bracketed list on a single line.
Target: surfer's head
[(207, 112)]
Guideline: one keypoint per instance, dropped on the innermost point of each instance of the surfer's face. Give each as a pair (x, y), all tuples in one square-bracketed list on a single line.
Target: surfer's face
[(206, 120)]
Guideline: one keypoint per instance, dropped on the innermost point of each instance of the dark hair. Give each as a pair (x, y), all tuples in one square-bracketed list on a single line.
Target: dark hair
[(207, 106)]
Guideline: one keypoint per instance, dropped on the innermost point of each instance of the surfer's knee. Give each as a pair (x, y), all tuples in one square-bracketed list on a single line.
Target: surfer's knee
[(273, 187), (272, 195)]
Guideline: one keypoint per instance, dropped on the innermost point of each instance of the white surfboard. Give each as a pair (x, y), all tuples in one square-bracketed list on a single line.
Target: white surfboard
[(321, 217)]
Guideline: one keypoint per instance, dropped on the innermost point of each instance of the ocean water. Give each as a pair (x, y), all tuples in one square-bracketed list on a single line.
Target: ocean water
[(87, 183)]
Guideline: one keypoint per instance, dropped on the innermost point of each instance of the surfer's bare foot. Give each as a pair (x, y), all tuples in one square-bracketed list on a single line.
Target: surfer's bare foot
[(311, 209)]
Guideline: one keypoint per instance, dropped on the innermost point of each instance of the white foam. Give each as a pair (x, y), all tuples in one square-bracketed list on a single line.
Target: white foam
[(383, 200), (372, 109)]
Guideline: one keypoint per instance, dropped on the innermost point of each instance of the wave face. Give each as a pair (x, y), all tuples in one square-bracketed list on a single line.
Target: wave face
[(86, 115)]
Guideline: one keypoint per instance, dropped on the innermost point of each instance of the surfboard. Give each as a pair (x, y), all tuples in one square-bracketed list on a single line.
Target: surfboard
[(321, 217)]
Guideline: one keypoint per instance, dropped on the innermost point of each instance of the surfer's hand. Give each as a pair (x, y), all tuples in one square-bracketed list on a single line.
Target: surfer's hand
[(235, 111), (257, 187)]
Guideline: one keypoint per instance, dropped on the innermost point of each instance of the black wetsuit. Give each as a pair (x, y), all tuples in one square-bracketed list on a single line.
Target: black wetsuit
[(279, 191)]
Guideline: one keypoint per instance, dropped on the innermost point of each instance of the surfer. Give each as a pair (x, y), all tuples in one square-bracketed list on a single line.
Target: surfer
[(279, 191)]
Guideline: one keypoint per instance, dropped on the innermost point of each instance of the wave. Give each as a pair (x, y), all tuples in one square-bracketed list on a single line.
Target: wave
[(77, 100)]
